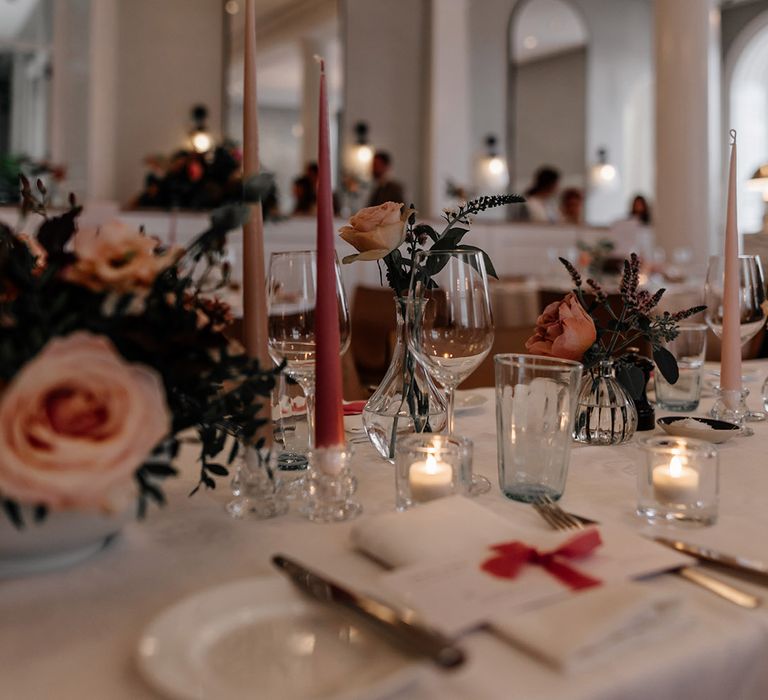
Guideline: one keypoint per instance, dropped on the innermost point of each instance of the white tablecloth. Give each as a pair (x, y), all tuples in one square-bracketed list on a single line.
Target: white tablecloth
[(72, 634)]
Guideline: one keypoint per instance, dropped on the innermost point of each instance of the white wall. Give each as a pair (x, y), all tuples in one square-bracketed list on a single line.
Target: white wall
[(448, 154), (169, 58)]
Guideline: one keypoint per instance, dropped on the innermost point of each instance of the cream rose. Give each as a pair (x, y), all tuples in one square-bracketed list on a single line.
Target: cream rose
[(75, 424), (376, 231), (117, 258)]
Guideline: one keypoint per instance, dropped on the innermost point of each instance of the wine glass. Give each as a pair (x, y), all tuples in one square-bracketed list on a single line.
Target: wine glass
[(291, 290), (751, 302), (450, 327)]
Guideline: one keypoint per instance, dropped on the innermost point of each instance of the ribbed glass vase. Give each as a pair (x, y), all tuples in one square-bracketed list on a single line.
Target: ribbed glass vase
[(606, 414)]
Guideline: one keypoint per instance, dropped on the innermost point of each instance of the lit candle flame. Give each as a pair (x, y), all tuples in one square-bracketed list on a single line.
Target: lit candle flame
[(431, 465), (676, 466)]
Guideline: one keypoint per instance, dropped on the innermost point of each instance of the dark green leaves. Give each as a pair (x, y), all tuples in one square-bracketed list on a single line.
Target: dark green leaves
[(667, 364), (631, 378), (55, 233)]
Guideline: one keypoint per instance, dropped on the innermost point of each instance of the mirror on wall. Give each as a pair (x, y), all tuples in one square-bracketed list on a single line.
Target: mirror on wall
[(548, 90)]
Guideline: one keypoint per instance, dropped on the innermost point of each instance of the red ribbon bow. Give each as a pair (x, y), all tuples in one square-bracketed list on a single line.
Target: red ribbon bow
[(512, 556)]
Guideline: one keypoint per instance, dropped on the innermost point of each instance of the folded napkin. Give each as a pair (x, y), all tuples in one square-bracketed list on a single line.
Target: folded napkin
[(586, 627), (432, 532)]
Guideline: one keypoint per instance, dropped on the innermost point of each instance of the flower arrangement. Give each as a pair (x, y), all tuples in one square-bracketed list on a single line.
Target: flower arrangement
[(406, 399), (575, 328), (378, 233), (111, 347)]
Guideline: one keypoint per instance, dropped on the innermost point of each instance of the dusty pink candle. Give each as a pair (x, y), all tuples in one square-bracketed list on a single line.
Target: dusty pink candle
[(254, 296), (329, 414), (730, 357)]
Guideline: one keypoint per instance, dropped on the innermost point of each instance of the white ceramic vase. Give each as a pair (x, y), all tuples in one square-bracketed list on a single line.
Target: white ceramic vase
[(62, 539)]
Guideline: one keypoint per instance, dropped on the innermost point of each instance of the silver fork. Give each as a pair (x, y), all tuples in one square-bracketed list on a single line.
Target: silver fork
[(560, 519)]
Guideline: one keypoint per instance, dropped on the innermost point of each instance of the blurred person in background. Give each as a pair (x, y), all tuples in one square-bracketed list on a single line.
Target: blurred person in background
[(540, 204), (640, 210), (304, 196), (572, 206), (384, 188)]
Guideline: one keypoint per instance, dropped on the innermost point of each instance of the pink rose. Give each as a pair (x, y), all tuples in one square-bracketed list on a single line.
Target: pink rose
[(376, 231), (563, 330), (117, 258), (75, 424)]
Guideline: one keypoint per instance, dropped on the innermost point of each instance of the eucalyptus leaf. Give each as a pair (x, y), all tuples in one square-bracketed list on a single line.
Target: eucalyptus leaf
[(667, 364)]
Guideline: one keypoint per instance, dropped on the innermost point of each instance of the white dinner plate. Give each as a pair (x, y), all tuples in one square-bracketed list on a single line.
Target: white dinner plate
[(467, 402), (260, 639)]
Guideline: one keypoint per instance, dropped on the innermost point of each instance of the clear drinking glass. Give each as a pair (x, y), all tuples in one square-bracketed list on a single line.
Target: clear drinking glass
[(449, 326), (689, 349), (291, 288), (536, 399)]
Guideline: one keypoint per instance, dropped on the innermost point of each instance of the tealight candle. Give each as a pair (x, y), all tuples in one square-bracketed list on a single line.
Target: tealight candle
[(430, 479), (675, 482)]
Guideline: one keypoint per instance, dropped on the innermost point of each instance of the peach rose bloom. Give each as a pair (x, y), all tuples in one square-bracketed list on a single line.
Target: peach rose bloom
[(563, 330), (116, 257), (75, 424), (376, 231)]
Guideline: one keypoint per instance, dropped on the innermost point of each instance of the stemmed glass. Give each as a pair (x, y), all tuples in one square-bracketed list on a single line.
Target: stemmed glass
[(450, 328), (291, 288), (751, 302)]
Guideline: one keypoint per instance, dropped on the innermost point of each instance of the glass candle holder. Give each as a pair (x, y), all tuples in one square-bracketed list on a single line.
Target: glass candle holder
[(330, 486), (679, 481), (429, 466)]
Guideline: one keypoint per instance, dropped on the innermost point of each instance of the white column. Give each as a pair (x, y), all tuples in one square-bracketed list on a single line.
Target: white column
[(686, 122), (448, 146), (102, 117), (310, 93)]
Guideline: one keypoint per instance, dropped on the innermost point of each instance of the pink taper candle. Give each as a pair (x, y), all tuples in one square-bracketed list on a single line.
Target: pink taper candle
[(730, 354), (329, 415), (254, 285)]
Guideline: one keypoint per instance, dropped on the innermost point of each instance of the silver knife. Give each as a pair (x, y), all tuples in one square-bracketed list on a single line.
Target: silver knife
[(747, 566), (400, 627)]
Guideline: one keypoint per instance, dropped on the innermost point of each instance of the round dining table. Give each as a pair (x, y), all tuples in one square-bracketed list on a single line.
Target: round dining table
[(73, 633)]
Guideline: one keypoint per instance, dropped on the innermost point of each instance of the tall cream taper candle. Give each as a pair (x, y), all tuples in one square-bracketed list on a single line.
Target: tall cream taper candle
[(730, 357)]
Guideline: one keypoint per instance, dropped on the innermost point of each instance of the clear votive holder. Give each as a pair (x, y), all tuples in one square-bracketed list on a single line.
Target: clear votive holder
[(679, 481), (536, 400), (254, 487), (689, 349), (429, 466), (330, 486), (731, 405)]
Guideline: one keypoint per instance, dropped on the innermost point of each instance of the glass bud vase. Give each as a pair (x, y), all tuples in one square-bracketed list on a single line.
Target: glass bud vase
[(606, 414), (407, 400)]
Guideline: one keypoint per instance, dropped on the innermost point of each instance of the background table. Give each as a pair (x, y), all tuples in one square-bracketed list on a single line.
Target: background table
[(72, 634)]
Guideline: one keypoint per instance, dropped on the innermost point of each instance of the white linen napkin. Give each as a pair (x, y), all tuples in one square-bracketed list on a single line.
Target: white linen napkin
[(432, 532), (586, 627)]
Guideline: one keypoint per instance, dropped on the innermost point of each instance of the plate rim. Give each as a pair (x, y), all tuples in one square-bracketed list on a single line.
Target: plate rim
[(167, 674)]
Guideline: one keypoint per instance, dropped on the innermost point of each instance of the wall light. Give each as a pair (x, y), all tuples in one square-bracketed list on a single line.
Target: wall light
[(603, 175), (361, 153), (492, 173), (200, 137)]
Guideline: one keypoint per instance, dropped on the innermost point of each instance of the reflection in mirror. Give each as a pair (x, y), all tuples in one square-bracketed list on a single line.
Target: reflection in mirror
[(548, 55)]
